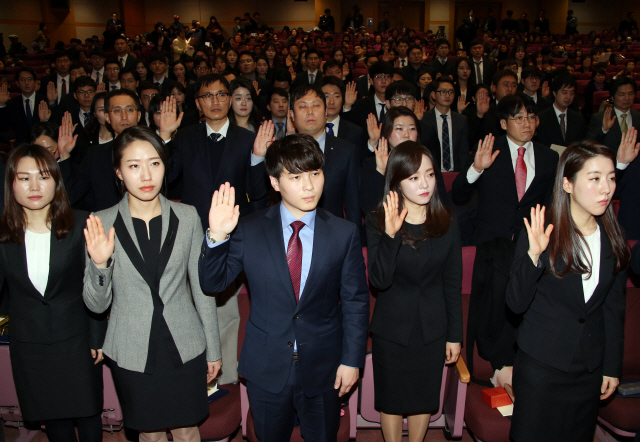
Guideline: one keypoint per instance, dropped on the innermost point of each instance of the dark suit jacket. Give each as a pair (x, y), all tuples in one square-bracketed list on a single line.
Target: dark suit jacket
[(13, 116), (459, 143), (541, 103), (481, 127), (302, 79), (443, 69), (542, 24), (330, 322), (341, 179), (354, 134), (627, 192), (556, 315), (167, 85), (363, 86), (61, 313), (99, 181), (612, 138), (360, 111), (44, 82), (131, 62), (488, 69), (499, 213), (549, 131), (190, 159)]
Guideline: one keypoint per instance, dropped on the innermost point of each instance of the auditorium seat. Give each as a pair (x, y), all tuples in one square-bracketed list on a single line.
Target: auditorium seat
[(598, 98), (448, 178)]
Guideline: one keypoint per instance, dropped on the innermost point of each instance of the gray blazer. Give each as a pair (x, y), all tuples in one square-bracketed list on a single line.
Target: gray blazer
[(194, 328)]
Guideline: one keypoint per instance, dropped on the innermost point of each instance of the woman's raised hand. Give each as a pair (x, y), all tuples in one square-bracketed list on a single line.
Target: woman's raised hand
[(382, 155), (99, 245), (373, 129), (392, 219), (538, 236)]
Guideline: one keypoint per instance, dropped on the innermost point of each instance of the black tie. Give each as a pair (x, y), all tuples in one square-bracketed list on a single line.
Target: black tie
[(446, 149), (215, 137), (382, 112), (86, 117), (280, 130), (28, 111)]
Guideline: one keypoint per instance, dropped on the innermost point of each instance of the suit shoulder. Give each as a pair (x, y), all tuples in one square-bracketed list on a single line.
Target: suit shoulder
[(240, 132), (80, 216), (336, 222), (545, 152), (108, 216)]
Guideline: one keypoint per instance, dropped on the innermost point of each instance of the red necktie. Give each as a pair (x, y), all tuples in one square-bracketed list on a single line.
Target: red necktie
[(294, 257), (521, 173)]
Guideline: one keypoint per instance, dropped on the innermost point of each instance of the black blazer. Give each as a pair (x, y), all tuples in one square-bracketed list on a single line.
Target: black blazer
[(13, 116), (627, 192), (302, 79), (61, 313), (499, 213), (190, 160), (131, 62), (96, 180), (459, 143), (488, 69), (413, 281), (354, 134), (360, 111), (549, 131), (363, 86), (443, 69), (556, 315), (341, 180), (612, 138), (481, 127)]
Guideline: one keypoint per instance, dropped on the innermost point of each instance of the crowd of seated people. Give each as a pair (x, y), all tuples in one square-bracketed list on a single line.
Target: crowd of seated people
[(497, 109)]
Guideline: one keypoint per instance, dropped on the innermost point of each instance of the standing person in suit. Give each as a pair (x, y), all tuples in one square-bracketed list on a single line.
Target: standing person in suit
[(541, 24), (568, 280), (56, 343), (313, 73), (445, 132), (385, 24), (417, 321), (342, 159), (441, 63), (511, 175), (279, 108), (509, 24), (415, 65), (309, 296), (327, 23), (115, 23), (482, 68), (126, 59), (162, 337), (380, 76), (363, 85), (559, 124), (97, 59), (21, 113), (572, 23), (607, 127), (60, 79)]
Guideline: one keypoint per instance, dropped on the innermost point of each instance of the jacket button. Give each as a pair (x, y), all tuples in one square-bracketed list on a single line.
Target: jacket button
[(581, 320), (290, 344), (296, 316)]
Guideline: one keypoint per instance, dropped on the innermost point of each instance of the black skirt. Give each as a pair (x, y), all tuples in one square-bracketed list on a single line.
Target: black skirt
[(58, 381), (407, 380), (170, 397), (553, 405)]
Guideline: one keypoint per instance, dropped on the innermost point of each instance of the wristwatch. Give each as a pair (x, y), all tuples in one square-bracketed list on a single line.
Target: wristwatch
[(211, 240)]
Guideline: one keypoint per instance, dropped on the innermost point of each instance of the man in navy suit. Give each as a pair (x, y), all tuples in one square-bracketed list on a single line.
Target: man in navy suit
[(313, 72), (307, 331), (342, 165)]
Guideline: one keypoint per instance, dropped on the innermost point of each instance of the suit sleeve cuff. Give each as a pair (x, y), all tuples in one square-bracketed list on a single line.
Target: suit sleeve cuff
[(473, 175)]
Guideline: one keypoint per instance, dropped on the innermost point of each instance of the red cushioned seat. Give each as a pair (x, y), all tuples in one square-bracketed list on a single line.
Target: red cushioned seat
[(224, 415)]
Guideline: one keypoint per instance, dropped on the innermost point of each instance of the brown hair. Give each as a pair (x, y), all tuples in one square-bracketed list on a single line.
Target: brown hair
[(567, 243), (404, 161), (14, 220)]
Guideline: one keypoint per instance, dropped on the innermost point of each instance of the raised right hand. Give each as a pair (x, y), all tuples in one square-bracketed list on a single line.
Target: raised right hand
[(373, 129), (392, 219), (608, 119), (485, 156), (482, 105), (99, 246), (382, 155), (538, 236), (4, 95), (224, 214)]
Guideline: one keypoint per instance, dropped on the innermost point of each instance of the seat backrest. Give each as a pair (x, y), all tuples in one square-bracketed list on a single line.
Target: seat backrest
[(631, 357)]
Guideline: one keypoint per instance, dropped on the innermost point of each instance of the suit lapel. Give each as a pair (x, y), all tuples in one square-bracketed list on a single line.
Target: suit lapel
[(227, 153), (321, 246), (19, 264), (57, 261), (503, 160), (275, 243), (606, 268)]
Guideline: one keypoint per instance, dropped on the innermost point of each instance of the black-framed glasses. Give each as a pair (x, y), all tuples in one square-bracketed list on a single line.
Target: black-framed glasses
[(399, 101), (209, 96), (446, 93), (520, 119)]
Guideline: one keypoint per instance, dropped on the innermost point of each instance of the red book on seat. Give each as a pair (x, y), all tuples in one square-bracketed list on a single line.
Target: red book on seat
[(496, 397)]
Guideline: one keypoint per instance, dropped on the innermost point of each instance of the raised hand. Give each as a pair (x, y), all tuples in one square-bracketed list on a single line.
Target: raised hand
[(102, 87), (396, 64), (52, 93), (373, 129), (538, 236), (608, 119), (256, 87), (99, 246), (545, 89), (392, 219), (350, 95), (345, 70), (628, 150), (4, 94), (462, 103), (44, 113), (169, 118), (418, 109), (485, 156), (385, 56), (482, 105), (224, 214), (66, 139), (382, 155), (292, 72), (264, 138)]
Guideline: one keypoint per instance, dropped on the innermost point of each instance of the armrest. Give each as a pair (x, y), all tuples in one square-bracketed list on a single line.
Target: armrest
[(463, 371)]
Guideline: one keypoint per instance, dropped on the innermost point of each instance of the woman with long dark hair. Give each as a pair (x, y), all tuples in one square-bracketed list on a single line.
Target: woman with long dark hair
[(415, 261), (462, 87), (162, 337), (568, 279), (244, 105), (55, 341)]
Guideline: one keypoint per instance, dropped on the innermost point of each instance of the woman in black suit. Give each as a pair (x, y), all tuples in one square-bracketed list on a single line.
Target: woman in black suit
[(415, 260), (55, 341), (568, 280)]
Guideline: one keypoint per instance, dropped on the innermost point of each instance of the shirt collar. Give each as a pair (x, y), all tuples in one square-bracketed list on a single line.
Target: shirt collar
[(287, 218), (223, 130), (514, 147), (558, 112), (322, 139), (377, 102), (65, 78), (619, 112), (440, 113), (33, 94)]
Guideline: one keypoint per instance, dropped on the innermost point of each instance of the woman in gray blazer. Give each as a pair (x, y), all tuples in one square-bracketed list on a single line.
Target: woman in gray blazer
[(162, 336)]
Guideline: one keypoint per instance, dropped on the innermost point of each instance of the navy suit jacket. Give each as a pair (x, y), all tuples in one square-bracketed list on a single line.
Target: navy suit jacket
[(360, 111), (549, 131), (355, 135), (329, 324), (341, 180), (459, 143), (13, 116)]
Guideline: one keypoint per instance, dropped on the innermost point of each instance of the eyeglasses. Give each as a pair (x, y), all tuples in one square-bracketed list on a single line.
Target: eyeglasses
[(202, 68), (446, 93), (208, 97), (148, 97), (520, 119), (121, 111), (383, 77), (398, 101), (85, 93), (112, 69)]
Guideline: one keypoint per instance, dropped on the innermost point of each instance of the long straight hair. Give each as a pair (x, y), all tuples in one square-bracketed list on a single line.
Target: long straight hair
[(567, 245), (14, 219), (404, 161)]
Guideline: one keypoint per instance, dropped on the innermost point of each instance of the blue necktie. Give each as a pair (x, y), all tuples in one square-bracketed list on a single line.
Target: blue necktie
[(312, 78), (446, 150), (330, 131), (28, 111)]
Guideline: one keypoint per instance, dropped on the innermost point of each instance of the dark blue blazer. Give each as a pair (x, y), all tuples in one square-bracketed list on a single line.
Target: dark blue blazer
[(330, 322), (341, 180), (13, 116)]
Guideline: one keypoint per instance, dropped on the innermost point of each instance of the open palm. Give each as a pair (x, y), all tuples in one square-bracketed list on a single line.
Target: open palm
[(99, 245), (392, 219), (224, 214), (538, 235)]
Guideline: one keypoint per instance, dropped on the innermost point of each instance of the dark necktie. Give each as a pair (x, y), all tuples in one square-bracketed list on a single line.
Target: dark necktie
[(114, 87), (215, 137), (27, 105), (478, 72), (383, 105), (312, 78), (563, 127), (158, 83), (294, 257), (280, 130), (86, 118), (64, 87), (121, 62), (402, 61), (330, 131), (97, 77), (446, 149)]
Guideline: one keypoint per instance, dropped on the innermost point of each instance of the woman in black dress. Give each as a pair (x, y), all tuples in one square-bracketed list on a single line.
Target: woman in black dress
[(415, 260), (568, 280), (55, 341), (162, 337)]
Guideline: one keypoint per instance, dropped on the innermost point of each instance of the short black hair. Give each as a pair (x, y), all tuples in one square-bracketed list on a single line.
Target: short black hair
[(319, 53), (199, 60), (412, 47), (296, 152), (97, 51), (26, 69), (562, 81), (84, 81), (622, 81), (530, 71), (401, 87), (148, 84), (157, 56), (132, 71), (278, 91), (282, 75), (112, 61), (511, 105), (209, 79), (478, 87), (380, 67), (334, 81), (441, 80), (303, 90), (61, 54), (331, 63), (501, 74), (443, 41), (249, 53), (475, 42)]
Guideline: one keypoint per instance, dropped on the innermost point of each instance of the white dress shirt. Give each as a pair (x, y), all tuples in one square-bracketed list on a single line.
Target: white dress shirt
[(32, 104), (450, 125), (59, 85), (101, 72), (315, 76), (223, 132), (378, 107), (38, 248), (481, 65), (590, 282)]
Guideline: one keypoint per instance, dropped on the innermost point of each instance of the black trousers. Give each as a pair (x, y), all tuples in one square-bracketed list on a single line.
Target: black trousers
[(274, 413), (62, 430)]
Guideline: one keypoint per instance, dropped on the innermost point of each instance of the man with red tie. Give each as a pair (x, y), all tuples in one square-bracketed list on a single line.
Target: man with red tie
[(306, 334)]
